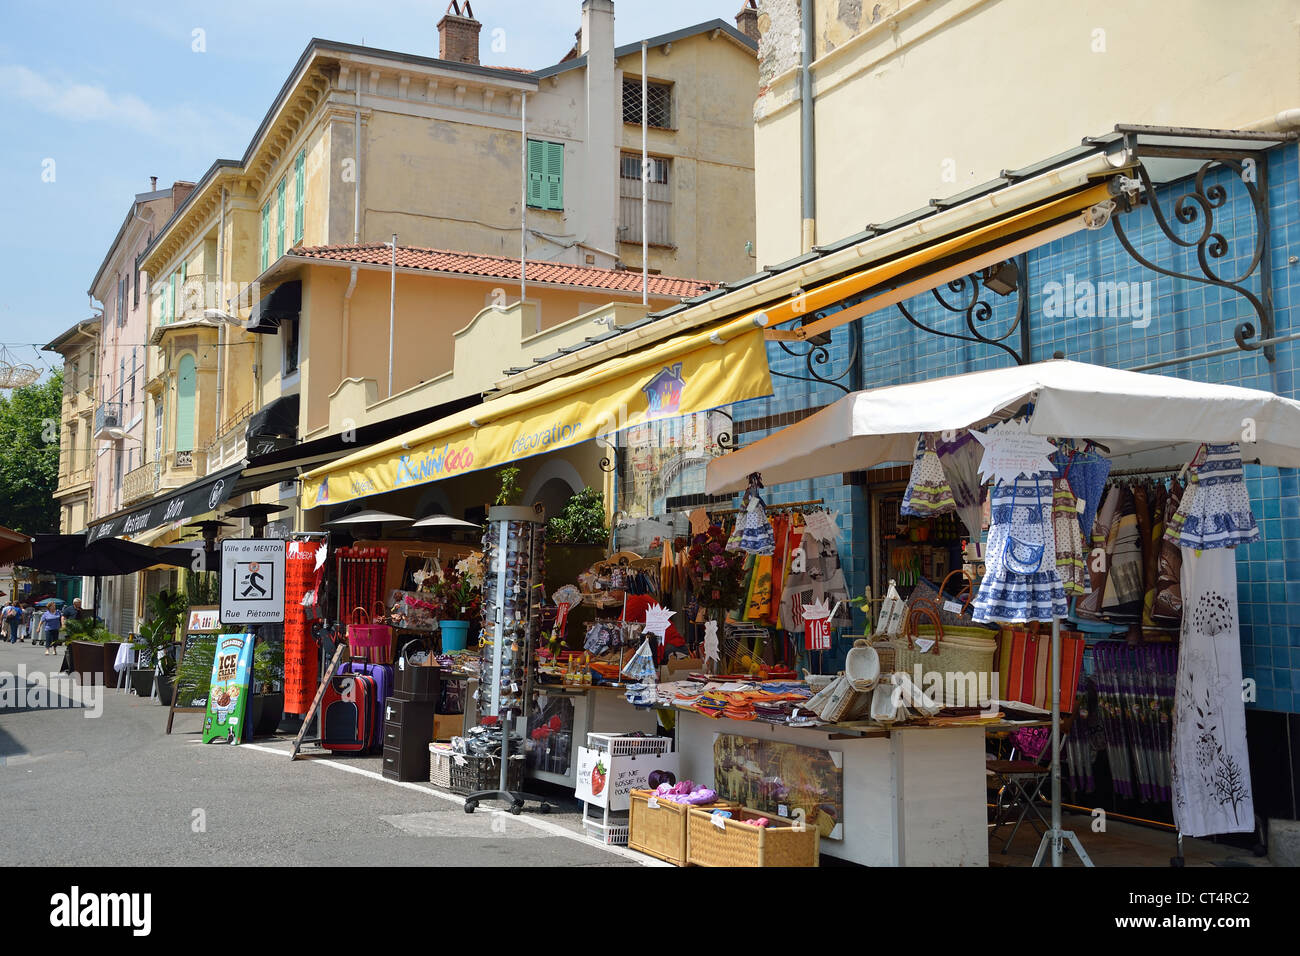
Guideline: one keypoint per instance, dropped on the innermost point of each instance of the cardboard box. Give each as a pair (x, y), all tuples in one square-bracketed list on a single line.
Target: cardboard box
[(446, 726)]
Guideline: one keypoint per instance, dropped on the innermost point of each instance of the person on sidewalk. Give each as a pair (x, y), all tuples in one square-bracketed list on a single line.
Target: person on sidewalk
[(12, 616), (51, 622)]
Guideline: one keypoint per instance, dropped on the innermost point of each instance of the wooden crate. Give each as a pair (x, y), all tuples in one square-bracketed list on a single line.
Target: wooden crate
[(736, 843), (661, 831)]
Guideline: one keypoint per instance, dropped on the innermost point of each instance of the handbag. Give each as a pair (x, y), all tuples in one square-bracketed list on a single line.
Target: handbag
[(955, 651), (372, 642), (1023, 557), (953, 612)]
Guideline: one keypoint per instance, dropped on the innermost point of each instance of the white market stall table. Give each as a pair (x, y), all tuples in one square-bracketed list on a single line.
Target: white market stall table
[(912, 796)]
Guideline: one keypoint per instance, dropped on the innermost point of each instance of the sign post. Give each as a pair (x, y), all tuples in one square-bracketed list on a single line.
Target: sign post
[(252, 581)]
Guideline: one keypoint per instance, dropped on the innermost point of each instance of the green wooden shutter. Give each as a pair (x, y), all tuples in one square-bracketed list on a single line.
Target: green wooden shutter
[(554, 175), (266, 235), (173, 297), (279, 218), (536, 174), (185, 404), (299, 184)]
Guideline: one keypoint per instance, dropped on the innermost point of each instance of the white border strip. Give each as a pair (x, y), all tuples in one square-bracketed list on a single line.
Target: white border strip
[(554, 829)]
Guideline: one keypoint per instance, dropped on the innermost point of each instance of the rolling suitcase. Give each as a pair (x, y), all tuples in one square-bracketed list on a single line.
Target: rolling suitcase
[(348, 713), (382, 675)]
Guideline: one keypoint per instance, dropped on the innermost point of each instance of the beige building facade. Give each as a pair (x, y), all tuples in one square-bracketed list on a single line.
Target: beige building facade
[(918, 99)]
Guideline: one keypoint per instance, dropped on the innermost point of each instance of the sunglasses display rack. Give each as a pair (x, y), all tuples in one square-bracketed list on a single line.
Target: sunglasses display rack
[(514, 556)]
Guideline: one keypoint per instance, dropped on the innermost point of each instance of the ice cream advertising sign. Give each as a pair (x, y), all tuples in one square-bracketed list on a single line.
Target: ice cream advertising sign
[(232, 667)]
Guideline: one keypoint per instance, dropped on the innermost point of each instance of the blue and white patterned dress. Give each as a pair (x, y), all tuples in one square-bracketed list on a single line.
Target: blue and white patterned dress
[(1215, 510), (1023, 510)]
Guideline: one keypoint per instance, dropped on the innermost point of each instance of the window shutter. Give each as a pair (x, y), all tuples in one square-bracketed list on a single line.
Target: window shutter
[(266, 235), (279, 219), (185, 404), (172, 296), (536, 174), (554, 175), (299, 200)]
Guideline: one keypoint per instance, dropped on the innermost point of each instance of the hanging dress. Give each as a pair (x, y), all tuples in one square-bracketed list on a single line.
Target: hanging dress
[(1021, 583), (1069, 539), (1211, 769), (1215, 511), (1089, 606), (1123, 598), (1167, 603), (928, 492)]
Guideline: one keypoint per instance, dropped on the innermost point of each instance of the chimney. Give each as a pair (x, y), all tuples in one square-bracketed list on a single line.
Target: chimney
[(153, 184), (458, 33), (598, 27), (603, 126), (747, 20)]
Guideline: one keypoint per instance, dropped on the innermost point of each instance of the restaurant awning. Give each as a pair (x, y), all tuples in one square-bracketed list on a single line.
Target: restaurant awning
[(691, 373), (196, 498), (14, 546), (284, 302)]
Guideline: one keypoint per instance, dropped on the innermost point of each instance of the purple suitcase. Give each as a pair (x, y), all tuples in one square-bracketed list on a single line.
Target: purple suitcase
[(383, 677)]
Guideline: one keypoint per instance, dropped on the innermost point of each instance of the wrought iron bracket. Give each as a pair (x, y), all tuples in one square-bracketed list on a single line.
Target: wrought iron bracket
[(609, 464), (1197, 208), (818, 355), (965, 297)]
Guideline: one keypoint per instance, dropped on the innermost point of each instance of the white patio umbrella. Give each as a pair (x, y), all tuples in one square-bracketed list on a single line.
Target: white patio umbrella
[(443, 521), (369, 516), (1146, 421)]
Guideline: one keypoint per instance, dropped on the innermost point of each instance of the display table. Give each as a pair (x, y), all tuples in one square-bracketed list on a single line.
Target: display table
[(912, 796), (599, 709)]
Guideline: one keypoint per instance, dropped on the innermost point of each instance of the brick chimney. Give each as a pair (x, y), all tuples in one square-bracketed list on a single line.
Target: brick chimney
[(747, 20), (458, 33)]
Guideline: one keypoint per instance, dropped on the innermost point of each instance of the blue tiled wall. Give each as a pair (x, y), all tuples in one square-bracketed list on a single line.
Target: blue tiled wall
[(1185, 318)]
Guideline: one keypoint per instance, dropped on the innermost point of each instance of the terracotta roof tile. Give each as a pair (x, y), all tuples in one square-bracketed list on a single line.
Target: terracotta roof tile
[(502, 267)]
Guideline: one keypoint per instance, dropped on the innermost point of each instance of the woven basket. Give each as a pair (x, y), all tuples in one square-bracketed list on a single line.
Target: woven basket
[(660, 831), (736, 843), (959, 653), (466, 773)]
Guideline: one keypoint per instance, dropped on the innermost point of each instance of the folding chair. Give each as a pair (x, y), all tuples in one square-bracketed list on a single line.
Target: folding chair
[(1019, 784)]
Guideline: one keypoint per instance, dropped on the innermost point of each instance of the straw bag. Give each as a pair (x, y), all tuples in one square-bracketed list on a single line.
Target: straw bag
[(953, 612), (956, 650)]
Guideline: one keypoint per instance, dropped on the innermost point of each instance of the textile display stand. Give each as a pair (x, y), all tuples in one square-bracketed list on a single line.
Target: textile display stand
[(1065, 399), (514, 551)]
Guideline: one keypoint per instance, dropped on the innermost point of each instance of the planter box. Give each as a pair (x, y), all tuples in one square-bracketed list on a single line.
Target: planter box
[(166, 686), (140, 680), (110, 658), (736, 843), (661, 831), (266, 713), (87, 660)]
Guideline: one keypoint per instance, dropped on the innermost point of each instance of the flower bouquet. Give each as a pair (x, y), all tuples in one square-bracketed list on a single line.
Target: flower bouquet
[(717, 574)]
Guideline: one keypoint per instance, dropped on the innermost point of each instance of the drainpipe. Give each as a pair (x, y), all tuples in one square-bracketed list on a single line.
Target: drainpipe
[(356, 166), (347, 316), (221, 288), (807, 146), (1285, 120), (392, 299)]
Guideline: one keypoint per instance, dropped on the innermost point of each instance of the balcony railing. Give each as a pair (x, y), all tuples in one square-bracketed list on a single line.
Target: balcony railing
[(108, 420), (139, 483), (230, 445)]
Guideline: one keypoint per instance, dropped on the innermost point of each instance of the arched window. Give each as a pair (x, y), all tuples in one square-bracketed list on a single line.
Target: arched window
[(185, 404)]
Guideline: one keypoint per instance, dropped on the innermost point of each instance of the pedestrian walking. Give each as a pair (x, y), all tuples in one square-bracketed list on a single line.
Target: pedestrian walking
[(12, 616), (51, 622)]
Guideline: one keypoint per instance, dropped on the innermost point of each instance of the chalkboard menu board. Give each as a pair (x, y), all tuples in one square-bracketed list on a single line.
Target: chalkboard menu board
[(194, 672)]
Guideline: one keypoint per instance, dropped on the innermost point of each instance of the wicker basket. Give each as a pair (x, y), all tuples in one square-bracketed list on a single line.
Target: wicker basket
[(465, 773), (660, 831), (736, 843), (954, 652)]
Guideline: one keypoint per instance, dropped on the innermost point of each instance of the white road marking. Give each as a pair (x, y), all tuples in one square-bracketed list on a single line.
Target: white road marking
[(532, 820)]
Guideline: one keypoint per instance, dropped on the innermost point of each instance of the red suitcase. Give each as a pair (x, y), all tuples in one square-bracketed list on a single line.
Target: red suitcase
[(347, 714)]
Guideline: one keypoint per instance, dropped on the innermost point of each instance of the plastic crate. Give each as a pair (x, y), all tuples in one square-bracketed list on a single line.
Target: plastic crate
[(614, 833), (465, 773), (629, 745)]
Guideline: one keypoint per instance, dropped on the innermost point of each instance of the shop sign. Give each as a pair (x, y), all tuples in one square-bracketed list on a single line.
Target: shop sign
[(607, 781), (232, 667)]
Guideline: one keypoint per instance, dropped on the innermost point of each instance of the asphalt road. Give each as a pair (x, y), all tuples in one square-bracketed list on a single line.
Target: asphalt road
[(114, 790)]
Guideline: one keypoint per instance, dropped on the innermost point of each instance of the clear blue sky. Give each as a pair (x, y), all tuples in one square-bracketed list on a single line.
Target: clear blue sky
[(113, 93)]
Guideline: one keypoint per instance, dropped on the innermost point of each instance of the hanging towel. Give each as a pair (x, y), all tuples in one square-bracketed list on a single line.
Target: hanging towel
[(1211, 769)]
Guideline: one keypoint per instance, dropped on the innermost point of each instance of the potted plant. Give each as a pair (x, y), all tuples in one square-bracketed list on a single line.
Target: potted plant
[(165, 613), (506, 506), (267, 705), (456, 593), (93, 648)]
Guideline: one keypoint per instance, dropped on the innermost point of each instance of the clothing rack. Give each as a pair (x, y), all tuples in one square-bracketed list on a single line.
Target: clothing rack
[(1143, 472), (786, 506)]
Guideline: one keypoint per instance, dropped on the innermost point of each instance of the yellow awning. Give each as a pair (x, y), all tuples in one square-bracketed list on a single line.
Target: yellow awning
[(691, 373)]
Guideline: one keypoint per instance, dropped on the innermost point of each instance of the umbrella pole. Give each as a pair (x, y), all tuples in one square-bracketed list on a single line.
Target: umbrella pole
[(1055, 835)]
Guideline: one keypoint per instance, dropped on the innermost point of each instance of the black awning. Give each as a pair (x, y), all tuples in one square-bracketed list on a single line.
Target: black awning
[(284, 302), (275, 419), (196, 498), (71, 554)]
